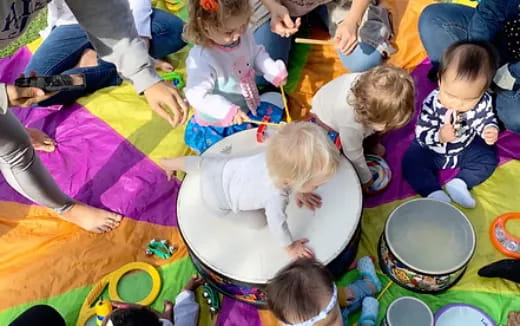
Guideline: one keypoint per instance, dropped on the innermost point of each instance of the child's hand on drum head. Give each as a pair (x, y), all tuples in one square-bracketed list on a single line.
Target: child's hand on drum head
[(309, 200), (298, 249)]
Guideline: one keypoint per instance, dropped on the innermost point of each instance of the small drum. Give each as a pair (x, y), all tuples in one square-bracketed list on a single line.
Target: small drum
[(238, 261), (462, 314), (381, 173), (408, 311), (426, 245)]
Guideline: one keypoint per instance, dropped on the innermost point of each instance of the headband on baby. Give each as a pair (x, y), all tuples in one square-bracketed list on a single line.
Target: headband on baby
[(209, 5), (323, 314)]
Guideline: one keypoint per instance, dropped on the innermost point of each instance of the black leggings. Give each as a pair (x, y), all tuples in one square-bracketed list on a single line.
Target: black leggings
[(40, 315)]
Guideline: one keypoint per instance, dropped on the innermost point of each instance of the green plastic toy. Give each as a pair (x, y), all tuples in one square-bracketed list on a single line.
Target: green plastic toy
[(160, 249), (212, 298), (175, 78)]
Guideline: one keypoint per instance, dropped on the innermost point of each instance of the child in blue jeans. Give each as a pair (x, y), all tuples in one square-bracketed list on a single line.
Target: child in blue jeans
[(304, 294), (457, 127)]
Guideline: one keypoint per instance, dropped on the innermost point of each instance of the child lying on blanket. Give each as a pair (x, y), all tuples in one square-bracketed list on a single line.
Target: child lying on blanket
[(299, 158), (304, 294), (457, 126), (185, 312), (221, 70), (358, 105)]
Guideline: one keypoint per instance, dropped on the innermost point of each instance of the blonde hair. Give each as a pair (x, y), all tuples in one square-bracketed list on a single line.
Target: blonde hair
[(201, 19), (299, 152), (384, 95)]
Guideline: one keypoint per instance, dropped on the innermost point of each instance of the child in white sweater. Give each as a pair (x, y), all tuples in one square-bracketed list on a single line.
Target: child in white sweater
[(221, 70), (299, 158)]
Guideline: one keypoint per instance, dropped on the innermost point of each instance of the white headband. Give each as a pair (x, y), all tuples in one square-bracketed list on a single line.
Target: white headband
[(323, 314)]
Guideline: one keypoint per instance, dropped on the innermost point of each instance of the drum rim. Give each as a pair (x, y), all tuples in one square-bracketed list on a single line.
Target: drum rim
[(428, 309), (257, 281), (420, 270), (447, 307)]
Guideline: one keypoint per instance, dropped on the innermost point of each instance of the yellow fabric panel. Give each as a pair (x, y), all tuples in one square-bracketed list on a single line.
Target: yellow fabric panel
[(495, 197)]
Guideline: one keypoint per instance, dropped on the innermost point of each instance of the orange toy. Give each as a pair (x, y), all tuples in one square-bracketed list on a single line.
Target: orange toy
[(503, 240)]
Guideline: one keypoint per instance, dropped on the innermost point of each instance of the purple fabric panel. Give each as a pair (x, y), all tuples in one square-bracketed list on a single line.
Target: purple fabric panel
[(236, 313), (397, 142), (94, 164), (11, 67)]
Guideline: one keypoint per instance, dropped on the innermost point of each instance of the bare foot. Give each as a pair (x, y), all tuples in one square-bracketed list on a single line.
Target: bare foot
[(92, 219), (171, 166), (379, 150), (163, 65), (88, 59), (168, 311), (194, 282), (40, 141)]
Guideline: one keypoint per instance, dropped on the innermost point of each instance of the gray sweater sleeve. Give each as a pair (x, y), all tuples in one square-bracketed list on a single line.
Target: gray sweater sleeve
[(110, 27), (4, 101)]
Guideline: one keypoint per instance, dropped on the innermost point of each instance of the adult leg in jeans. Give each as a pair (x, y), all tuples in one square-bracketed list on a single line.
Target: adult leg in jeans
[(40, 315), (166, 34), (362, 58), (441, 25), (278, 47), (60, 53), (24, 171), (508, 109)]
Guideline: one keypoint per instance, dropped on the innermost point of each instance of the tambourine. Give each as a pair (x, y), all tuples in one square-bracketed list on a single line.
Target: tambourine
[(381, 173), (503, 240)]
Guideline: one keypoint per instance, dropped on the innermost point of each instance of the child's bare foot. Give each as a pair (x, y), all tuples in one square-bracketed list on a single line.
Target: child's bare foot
[(92, 219), (40, 141), (88, 59), (168, 311), (163, 65), (171, 165), (194, 283), (379, 150)]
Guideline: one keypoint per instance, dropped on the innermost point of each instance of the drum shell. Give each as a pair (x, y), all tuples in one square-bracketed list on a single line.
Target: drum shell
[(387, 318), (254, 293)]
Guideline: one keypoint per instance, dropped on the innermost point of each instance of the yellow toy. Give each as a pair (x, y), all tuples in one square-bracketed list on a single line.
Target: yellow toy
[(111, 280), (103, 309)]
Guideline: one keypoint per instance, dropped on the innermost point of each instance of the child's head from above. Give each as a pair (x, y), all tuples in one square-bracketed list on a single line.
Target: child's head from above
[(384, 98), (301, 157), (466, 70), (141, 316), (303, 294), (220, 22)]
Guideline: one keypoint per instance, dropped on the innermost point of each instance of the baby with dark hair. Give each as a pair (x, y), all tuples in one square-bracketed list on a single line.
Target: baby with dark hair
[(457, 127), (304, 294)]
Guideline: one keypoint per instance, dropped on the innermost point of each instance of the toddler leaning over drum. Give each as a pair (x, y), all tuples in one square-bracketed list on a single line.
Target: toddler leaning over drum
[(299, 158), (304, 294)]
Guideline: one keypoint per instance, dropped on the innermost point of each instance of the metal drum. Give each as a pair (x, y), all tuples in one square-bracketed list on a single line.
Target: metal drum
[(408, 311), (426, 245), (239, 261)]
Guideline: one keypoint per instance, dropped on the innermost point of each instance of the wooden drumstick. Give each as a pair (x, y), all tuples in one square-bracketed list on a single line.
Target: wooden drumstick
[(313, 41), (256, 122), (285, 106)]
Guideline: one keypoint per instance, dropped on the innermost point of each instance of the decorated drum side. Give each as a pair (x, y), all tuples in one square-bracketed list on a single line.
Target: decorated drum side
[(462, 314), (408, 311), (239, 261), (426, 245)]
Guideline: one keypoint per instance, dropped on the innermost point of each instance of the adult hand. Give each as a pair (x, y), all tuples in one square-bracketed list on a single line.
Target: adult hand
[(298, 249), (25, 96), (346, 36), (447, 132), (490, 135), (165, 100), (309, 200), (281, 22)]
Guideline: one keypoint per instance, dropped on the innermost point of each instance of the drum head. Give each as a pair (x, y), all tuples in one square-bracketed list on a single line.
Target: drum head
[(254, 255), (408, 311), (430, 236), (462, 314)]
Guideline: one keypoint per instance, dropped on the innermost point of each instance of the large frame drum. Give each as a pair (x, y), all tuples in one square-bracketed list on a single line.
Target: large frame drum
[(239, 261)]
